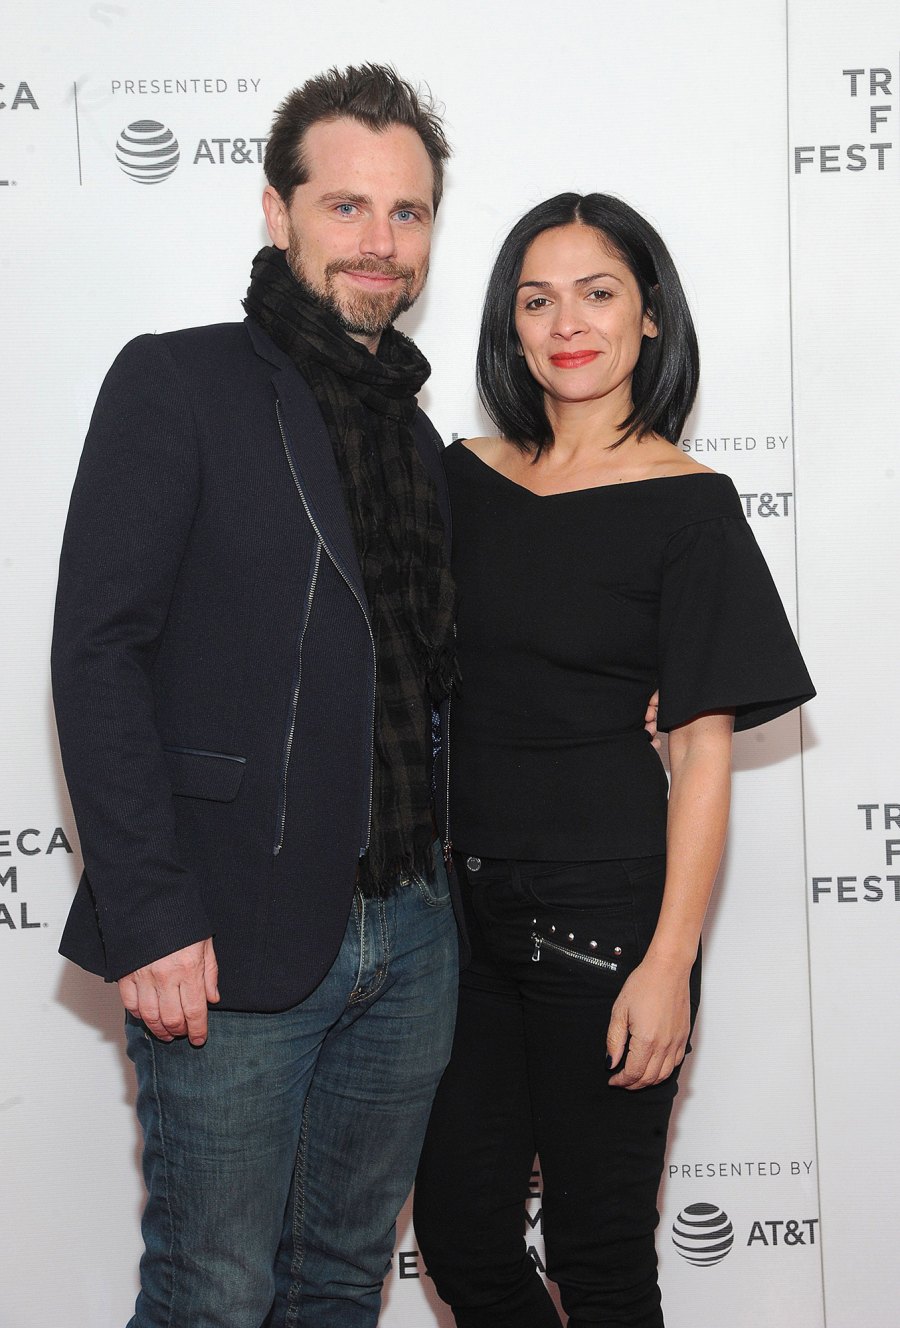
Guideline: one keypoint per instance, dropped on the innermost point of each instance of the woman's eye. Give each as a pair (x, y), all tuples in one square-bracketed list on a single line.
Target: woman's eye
[(599, 295), (538, 302)]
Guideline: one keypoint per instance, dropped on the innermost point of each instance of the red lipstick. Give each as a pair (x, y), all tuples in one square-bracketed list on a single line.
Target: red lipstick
[(573, 359)]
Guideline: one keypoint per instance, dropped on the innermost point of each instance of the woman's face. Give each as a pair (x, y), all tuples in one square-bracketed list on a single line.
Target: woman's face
[(579, 317)]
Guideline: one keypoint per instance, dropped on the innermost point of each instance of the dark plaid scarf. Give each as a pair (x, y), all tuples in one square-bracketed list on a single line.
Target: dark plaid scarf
[(368, 403)]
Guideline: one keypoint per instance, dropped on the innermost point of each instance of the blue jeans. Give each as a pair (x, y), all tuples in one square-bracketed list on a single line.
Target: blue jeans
[(277, 1156)]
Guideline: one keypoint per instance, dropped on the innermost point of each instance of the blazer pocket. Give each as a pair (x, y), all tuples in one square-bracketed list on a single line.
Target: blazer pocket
[(215, 776)]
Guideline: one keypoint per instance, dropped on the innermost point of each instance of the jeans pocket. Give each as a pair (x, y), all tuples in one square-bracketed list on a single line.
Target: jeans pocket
[(433, 886), (584, 919), (576, 887), (639, 870)]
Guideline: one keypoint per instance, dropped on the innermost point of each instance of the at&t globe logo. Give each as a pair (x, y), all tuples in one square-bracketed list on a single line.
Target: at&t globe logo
[(147, 151), (702, 1234)]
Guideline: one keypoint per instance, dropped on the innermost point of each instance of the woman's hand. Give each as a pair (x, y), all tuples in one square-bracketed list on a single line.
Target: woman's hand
[(654, 1008)]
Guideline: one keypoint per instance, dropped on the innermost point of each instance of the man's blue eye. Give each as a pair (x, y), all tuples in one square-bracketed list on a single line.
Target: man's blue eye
[(346, 208), (405, 214)]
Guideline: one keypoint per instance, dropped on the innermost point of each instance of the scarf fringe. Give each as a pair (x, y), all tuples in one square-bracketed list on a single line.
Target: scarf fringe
[(379, 880)]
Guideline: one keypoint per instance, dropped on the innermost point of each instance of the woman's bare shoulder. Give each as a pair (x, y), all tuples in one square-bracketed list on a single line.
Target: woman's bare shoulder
[(663, 459), (486, 449)]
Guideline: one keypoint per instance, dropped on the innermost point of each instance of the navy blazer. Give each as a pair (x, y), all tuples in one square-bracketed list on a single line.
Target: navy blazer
[(213, 668)]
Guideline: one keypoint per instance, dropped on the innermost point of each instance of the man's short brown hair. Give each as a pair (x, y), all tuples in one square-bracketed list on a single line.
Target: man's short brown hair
[(375, 95)]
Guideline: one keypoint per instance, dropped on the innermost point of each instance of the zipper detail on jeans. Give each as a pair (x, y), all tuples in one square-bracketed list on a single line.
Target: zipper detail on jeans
[(345, 578), (594, 960), (289, 742)]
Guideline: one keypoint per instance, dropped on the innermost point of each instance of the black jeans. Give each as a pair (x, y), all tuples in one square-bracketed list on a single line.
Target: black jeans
[(552, 944)]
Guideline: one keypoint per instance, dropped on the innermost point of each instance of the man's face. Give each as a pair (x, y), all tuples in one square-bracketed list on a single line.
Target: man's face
[(358, 233)]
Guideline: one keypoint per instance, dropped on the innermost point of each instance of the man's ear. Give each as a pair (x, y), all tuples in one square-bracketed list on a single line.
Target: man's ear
[(277, 221)]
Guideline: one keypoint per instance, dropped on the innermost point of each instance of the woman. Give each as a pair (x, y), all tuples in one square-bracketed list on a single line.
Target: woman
[(594, 562)]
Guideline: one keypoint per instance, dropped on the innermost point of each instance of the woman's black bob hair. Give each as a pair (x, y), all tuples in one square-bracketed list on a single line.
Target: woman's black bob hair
[(666, 374)]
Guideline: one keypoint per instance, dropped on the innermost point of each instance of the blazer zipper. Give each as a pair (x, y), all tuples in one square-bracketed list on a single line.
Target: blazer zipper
[(448, 847), (344, 577), (295, 699), (594, 960)]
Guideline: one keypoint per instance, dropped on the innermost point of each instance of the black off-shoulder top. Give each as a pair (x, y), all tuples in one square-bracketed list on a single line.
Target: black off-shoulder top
[(573, 608)]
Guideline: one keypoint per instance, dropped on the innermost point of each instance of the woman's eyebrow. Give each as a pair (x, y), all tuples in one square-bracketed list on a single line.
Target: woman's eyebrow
[(579, 281)]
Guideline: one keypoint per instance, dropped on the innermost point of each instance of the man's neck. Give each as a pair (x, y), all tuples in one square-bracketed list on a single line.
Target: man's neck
[(371, 343)]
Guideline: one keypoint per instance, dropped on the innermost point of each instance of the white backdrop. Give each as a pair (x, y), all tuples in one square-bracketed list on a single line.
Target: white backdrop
[(773, 175)]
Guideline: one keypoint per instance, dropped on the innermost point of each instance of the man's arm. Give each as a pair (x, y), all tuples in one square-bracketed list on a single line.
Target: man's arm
[(132, 507)]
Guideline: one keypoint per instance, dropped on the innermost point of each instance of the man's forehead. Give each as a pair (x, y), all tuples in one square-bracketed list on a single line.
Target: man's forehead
[(347, 148)]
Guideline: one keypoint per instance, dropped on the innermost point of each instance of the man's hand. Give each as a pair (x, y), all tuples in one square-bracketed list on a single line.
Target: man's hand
[(171, 994), (650, 720)]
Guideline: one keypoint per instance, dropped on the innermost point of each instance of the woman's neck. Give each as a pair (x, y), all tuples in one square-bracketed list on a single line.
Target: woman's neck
[(588, 425), (585, 431)]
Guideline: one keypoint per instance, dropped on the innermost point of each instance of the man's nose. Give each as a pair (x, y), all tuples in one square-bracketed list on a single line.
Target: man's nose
[(377, 238)]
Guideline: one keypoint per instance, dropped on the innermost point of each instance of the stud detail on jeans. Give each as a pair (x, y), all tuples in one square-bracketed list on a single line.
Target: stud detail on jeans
[(571, 935), (594, 960), (617, 949), (473, 864)]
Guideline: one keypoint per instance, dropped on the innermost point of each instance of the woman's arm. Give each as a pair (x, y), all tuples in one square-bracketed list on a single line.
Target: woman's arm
[(653, 1005)]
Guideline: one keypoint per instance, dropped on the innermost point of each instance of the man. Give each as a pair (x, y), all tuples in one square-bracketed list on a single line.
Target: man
[(253, 644)]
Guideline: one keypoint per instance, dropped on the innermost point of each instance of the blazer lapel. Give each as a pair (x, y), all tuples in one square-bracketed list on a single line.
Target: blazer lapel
[(312, 462)]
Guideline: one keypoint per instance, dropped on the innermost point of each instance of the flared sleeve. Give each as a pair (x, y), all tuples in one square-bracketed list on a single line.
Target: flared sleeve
[(725, 641)]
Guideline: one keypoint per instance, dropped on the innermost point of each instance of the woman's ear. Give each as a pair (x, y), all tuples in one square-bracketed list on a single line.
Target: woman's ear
[(649, 326)]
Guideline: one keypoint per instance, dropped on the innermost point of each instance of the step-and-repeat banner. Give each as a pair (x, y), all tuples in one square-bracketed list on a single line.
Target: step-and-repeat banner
[(763, 142)]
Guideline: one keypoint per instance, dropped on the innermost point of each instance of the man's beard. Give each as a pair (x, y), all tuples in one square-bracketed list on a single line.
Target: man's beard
[(360, 313)]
